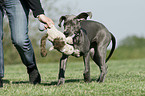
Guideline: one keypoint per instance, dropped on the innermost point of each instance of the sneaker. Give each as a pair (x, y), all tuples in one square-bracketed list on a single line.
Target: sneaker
[(34, 76), (1, 83)]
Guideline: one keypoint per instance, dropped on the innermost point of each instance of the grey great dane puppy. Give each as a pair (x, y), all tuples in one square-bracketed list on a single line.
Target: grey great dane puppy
[(91, 39)]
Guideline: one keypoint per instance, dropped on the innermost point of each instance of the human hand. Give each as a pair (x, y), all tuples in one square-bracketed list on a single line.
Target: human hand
[(44, 19)]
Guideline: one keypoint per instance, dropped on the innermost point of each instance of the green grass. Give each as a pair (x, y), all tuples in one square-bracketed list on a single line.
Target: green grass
[(124, 78)]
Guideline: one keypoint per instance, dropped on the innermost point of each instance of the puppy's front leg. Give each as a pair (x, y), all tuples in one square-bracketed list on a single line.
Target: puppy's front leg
[(62, 67)]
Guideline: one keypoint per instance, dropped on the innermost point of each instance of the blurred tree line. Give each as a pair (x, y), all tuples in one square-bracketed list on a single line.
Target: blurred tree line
[(131, 47)]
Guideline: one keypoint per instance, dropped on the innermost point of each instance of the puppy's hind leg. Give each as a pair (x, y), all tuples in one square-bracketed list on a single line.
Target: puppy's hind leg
[(99, 58)]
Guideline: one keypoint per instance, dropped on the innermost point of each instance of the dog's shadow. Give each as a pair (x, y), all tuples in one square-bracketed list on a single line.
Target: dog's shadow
[(44, 84), (66, 81), (20, 82), (6, 81), (53, 83)]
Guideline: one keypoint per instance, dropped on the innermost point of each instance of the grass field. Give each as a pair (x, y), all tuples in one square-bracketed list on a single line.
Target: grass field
[(124, 78)]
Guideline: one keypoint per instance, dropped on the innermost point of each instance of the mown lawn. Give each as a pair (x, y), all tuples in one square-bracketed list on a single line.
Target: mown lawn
[(124, 78)]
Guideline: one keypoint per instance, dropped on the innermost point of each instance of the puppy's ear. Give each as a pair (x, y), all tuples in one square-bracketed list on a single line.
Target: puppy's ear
[(61, 19), (84, 15)]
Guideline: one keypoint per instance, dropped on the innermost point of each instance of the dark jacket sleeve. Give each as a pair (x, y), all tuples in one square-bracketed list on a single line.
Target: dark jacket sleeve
[(36, 7)]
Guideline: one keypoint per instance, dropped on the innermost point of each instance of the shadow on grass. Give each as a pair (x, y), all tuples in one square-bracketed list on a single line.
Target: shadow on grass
[(77, 80), (20, 82), (47, 84), (14, 82), (66, 81), (6, 81)]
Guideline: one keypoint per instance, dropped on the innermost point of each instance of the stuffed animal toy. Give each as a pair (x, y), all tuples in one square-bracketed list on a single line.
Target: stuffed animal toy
[(59, 41)]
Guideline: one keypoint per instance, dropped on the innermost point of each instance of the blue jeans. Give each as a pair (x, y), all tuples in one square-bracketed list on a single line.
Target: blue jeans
[(17, 12)]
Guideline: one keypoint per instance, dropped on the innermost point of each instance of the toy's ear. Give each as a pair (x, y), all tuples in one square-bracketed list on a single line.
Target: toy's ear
[(61, 19), (84, 15)]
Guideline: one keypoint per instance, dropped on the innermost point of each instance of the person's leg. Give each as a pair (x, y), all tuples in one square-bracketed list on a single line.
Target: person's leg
[(1, 47), (17, 12)]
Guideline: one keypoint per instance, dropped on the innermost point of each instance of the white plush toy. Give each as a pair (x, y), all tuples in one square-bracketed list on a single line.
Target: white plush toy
[(59, 40)]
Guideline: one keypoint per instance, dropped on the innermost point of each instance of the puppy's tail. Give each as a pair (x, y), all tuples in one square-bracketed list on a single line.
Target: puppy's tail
[(113, 46), (43, 50)]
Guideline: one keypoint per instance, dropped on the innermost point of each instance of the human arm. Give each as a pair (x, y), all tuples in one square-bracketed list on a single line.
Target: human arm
[(35, 6)]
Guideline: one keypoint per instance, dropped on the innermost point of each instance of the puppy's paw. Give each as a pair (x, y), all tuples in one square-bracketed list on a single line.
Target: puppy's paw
[(61, 81), (101, 78), (87, 77)]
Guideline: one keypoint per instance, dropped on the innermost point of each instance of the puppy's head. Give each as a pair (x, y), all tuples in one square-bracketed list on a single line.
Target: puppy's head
[(72, 22)]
